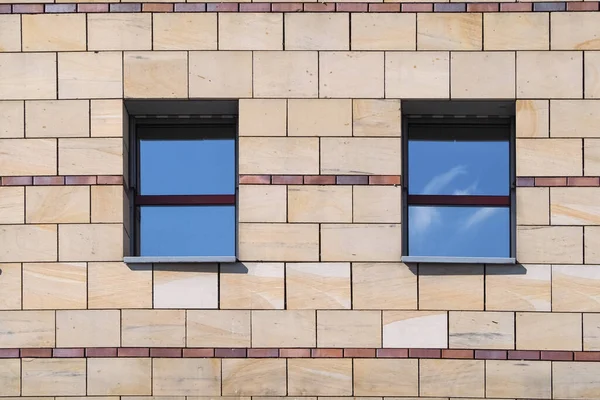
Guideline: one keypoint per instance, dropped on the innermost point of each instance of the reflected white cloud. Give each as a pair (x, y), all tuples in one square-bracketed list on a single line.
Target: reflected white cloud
[(467, 191), (423, 218), (438, 182), (478, 217)]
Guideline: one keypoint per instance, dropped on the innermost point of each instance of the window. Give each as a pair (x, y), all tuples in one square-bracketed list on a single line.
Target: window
[(183, 189), (458, 188)]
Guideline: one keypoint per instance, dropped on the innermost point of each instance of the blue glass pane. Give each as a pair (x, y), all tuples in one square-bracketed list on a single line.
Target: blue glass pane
[(187, 231), (187, 166), (458, 167), (459, 231)]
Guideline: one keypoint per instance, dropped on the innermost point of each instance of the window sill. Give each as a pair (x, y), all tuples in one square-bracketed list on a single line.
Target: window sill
[(459, 260), (176, 260)]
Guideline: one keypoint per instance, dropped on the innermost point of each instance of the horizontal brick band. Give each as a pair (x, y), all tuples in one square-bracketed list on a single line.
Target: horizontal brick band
[(320, 179), (298, 7), (242, 352), (561, 181), (61, 180)]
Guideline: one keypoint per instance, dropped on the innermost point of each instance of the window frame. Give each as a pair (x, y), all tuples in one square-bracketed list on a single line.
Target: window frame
[(505, 122)]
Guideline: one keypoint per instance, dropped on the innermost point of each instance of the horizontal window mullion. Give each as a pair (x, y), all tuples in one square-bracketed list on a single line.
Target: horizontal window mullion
[(458, 200), (185, 200)]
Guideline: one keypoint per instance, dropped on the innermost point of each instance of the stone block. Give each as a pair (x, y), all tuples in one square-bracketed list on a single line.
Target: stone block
[(378, 204), (107, 204), (591, 159), (54, 32), (455, 287), (57, 204), (90, 242), (289, 328), (218, 74), (27, 157), (522, 379), (26, 76), (383, 286), (592, 252), (116, 285), (12, 205), (54, 286), (250, 31), (518, 288), (300, 79), (278, 242), (90, 75), (361, 242), (28, 243), (317, 31), (262, 203), (376, 117), (153, 328), (549, 157), (481, 330), (107, 117), (449, 31), (361, 156), (13, 117), (575, 288), (186, 286), (591, 332), (351, 74), (10, 380), (463, 378), (188, 376), (119, 376), (88, 328), (319, 203), (52, 377), (184, 31), (119, 31), (574, 206), (575, 380), (550, 244), (532, 118), (10, 33), (318, 285), (549, 74), (155, 74), (385, 31), (548, 331), (476, 75), (319, 377), (319, 117), (27, 329), (10, 286), (64, 118), (349, 329), (263, 117), (287, 156), (374, 377), (533, 206), (417, 74), (591, 76), (93, 156), (516, 31), (415, 329), (574, 118), (249, 377), (218, 328), (252, 286), (575, 31)]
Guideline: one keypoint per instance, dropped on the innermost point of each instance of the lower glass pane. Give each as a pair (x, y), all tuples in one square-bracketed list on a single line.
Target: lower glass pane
[(458, 231), (187, 231)]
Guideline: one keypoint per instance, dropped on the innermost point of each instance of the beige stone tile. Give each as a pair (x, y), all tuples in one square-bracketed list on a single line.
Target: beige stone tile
[(26, 76), (575, 288), (386, 377), (591, 331), (523, 379), (93, 156), (575, 31), (57, 204), (250, 31), (574, 118), (300, 79), (391, 31), (57, 118), (46, 377), (107, 118), (116, 285), (285, 156), (452, 378), (376, 204), (574, 206), (575, 380), (252, 286), (10, 287), (482, 75), (155, 74), (184, 31), (455, 287), (54, 32), (384, 286), (352, 74), (249, 377), (518, 288), (319, 203), (550, 244), (27, 329), (218, 328), (10, 380), (153, 328), (90, 242), (182, 377), (27, 157), (317, 31), (516, 31), (289, 328), (318, 285), (186, 286), (361, 242), (13, 117), (591, 158), (319, 117), (54, 286), (10, 33), (119, 376), (12, 205), (415, 329), (449, 31), (481, 330), (278, 242), (220, 74), (349, 329), (544, 74), (262, 203), (28, 243), (548, 157), (417, 74), (262, 117), (592, 238), (88, 328), (90, 75), (592, 75), (319, 377), (119, 31), (532, 118), (360, 156), (548, 331), (533, 206), (376, 117), (107, 204)]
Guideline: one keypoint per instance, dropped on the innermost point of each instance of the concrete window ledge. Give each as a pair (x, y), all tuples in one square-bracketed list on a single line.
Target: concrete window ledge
[(175, 260), (459, 260)]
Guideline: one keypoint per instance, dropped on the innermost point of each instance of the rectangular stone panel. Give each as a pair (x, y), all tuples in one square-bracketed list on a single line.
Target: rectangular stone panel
[(52, 377), (319, 377), (26, 76)]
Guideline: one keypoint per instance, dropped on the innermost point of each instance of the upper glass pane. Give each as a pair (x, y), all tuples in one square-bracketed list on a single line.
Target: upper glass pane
[(458, 167), (179, 167), (458, 231), (187, 231)]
